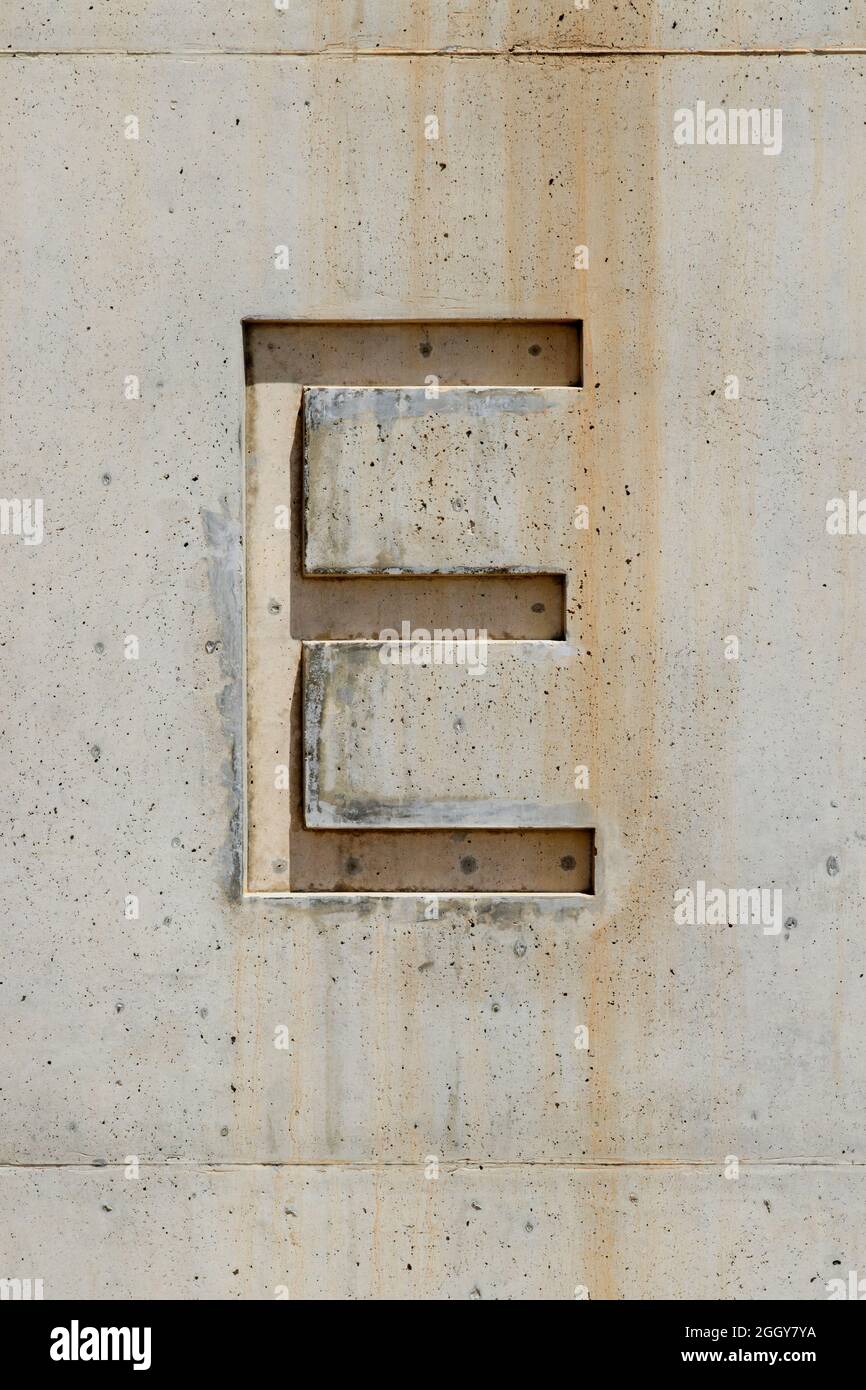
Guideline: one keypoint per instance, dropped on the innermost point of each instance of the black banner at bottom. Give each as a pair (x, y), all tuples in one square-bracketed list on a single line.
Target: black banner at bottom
[(155, 1338)]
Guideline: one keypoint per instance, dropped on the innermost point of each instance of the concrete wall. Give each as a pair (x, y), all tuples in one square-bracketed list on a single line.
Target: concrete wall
[(311, 1166)]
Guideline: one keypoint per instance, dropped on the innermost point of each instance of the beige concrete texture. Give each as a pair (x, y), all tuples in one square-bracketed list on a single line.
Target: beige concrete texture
[(268, 26), (468, 480), (461, 1232), (490, 737), (150, 1007)]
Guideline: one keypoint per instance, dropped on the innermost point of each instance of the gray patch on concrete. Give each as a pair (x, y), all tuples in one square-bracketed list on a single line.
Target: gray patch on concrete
[(325, 406), (462, 812), (313, 696), (225, 574)]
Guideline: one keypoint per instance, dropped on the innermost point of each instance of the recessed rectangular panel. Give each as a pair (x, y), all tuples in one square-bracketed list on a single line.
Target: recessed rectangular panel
[(469, 481), (465, 352), (441, 861), (481, 741), (453, 775), (509, 606)]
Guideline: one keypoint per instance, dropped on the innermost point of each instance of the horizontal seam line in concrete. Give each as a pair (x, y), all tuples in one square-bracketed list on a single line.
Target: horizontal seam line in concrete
[(432, 52), (451, 1164)]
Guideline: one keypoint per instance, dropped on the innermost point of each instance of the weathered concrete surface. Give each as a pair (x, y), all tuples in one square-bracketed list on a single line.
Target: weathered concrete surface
[(373, 25), (490, 738), (475, 479), (156, 1036), (390, 1232)]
